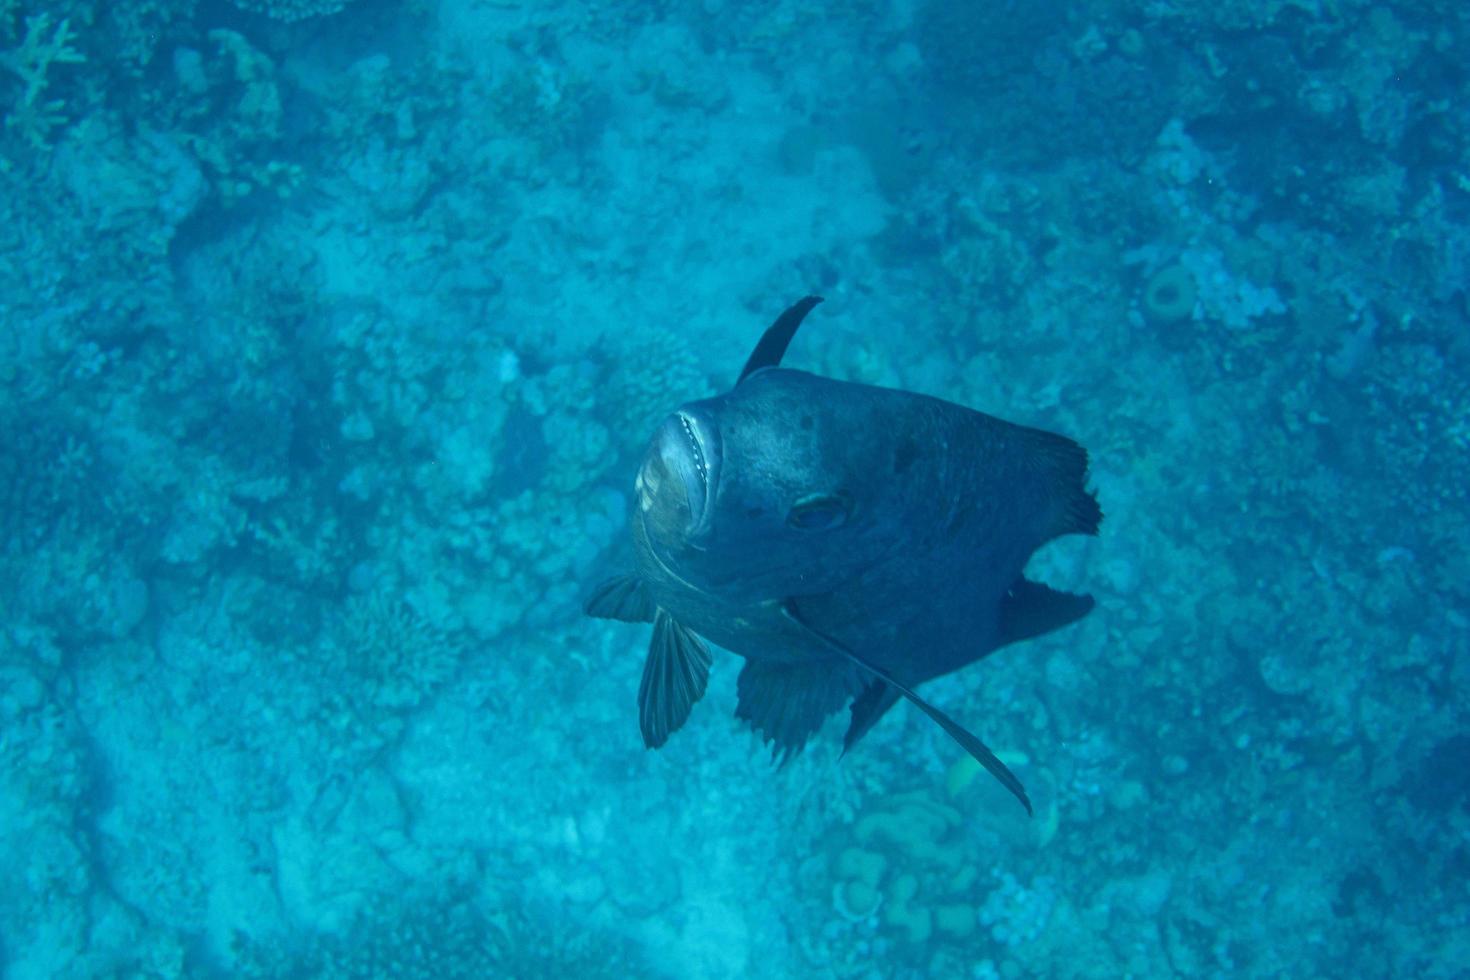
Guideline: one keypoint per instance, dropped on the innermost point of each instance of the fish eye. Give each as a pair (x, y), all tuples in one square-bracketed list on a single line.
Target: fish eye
[(820, 512)]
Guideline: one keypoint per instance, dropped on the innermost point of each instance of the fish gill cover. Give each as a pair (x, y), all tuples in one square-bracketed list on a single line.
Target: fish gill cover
[(334, 333)]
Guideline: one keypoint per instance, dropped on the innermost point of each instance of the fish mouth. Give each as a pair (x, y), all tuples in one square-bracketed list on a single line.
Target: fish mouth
[(676, 486)]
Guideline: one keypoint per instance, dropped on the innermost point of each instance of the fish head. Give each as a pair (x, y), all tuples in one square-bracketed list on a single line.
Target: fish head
[(677, 482), (763, 493)]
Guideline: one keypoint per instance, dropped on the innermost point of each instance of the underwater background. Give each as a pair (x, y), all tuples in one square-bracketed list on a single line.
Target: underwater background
[(333, 331)]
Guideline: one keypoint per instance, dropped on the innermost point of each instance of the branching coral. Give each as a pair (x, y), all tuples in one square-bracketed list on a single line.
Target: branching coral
[(656, 370), (46, 467), (291, 10), (444, 934), (391, 653), (34, 116)]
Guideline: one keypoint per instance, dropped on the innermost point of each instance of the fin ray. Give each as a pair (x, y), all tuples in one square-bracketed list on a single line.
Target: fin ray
[(622, 597), (787, 702), (674, 678), (1076, 508)]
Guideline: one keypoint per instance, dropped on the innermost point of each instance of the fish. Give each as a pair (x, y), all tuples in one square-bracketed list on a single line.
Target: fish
[(850, 542)]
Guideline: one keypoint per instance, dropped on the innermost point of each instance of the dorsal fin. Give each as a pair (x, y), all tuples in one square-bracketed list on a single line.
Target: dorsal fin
[(774, 341)]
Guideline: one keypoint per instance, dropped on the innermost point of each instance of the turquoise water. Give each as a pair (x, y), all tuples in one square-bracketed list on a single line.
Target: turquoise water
[(333, 331)]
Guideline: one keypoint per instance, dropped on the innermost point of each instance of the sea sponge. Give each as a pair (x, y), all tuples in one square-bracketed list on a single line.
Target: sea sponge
[(956, 919), (855, 894), (917, 922), (860, 865), (916, 824), (856, 901), (914, 863), (1170, 294)]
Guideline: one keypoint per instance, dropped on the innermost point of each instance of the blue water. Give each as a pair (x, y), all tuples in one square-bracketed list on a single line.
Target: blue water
[(332, 333)]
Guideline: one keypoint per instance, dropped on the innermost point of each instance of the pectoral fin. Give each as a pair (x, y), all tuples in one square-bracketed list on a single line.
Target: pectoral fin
[(624, 598), (674, 677), (953, 729)]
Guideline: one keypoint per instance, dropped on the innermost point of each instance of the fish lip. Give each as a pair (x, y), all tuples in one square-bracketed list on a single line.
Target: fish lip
[(701, 480)]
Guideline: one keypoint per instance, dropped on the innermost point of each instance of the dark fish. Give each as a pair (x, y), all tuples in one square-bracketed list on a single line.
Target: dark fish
[(849, 541)]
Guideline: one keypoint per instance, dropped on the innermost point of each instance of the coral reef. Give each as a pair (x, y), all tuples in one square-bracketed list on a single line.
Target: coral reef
[(292, 10), (45, 44), (391, 652), (432, 932), (333, 333)]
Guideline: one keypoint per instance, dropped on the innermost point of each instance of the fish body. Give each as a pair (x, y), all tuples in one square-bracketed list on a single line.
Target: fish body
[(849, 541)]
